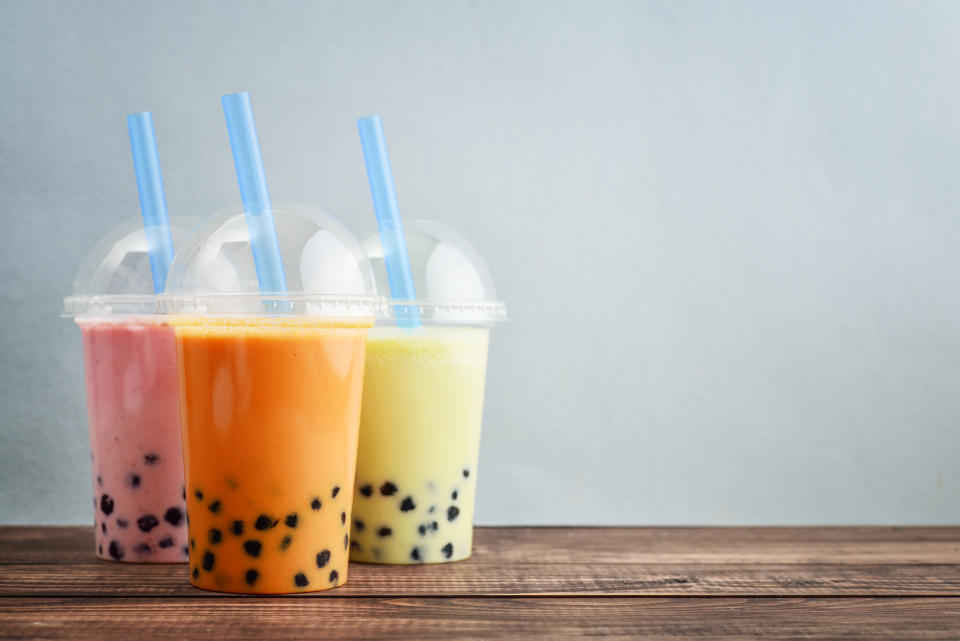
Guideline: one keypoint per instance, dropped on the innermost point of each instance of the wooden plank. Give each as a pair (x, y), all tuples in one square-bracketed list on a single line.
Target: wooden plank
[(503, 618), (472, 578), (595, 546)]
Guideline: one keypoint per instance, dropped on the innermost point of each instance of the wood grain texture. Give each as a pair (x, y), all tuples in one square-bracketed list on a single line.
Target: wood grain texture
[(473, 618), (556, 583)]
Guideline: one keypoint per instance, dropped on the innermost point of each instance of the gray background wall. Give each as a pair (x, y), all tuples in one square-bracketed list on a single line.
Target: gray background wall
[(727, 232)]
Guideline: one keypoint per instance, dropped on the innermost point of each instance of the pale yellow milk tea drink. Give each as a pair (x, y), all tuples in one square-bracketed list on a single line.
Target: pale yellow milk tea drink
[(422, 407)]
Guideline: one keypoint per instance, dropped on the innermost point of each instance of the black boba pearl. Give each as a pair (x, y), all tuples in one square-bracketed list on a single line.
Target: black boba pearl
[(100, 549), (147, 522), (343, 518), (466, 473), (237, 527), (434, 526), (166, 542), (336, 490), (415, 554), (334, 575), (103, 528), (388, 489), (358, 524), (116, 550), (251, 576), (354, 545), (265, 522), (291, 520), (186, 551), (199, 495), (208, 560), (366, 490), (122, 524), (384, 531), (133, 480), (346, 541), (151, 458), (454, 495), (323, 558), (183, 492), (106, 504), (215, 536), (407, 504), (214, 507), (142, 548), (452, 513), (285, 542), (301, 580), (173, 516), (422, 530), (447, 550), (252, 548), (316, 504), (193, 544), (196, 573)]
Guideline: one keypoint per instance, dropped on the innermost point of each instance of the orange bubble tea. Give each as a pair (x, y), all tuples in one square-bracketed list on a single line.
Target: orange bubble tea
[(271, 410)]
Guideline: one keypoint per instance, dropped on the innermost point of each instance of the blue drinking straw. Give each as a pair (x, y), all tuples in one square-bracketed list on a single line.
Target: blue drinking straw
[(388, 218), (153, 203), (253, 192)]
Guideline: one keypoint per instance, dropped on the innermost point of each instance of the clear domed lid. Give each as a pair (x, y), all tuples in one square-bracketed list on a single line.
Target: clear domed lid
[(115, 278), (326, 270), (451, 279)]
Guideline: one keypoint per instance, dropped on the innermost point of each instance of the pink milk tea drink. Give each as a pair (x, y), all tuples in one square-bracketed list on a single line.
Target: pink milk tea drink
[(130, 365)]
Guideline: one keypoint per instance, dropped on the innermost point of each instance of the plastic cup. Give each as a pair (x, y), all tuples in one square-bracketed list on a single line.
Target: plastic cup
[(132, 401), (270, 401), (423, 406)]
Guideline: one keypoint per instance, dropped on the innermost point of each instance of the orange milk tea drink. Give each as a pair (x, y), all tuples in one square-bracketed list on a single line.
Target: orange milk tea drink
[(130, 366), (270, 389), (423, 406)]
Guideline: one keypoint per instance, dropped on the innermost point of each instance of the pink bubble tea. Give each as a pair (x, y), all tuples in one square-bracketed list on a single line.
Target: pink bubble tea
[(134, 419)]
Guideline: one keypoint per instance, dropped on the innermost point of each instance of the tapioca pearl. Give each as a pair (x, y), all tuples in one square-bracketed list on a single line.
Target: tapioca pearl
[(466, 473), (334, 575), (252, 548), (388, 489), (122, 524), (165, 542), (193, 544), (415, 555), (291, 520), (215, 507), (151, 459), (366, 490), (422, 529), (285, 542), (300, 579), (384, 531), (115, 550), (323, 558), (355, 546), (447, 550), (173, 516), (106, 504), (142, 548), (343, 518), (133, 480), (186, 551), (336, 490), (214, 536), (103, 527), (434, 526), (198, 494), (453, 495), (196, 573), (183, 492), (407, 504), (237, 528), (147, 522), (358, 525), (251, 577), (346, 541), (265, 522), (208, 560), (452, 513)]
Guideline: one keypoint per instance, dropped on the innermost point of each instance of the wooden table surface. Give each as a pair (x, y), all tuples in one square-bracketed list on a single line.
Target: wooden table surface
[(552, 583)]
